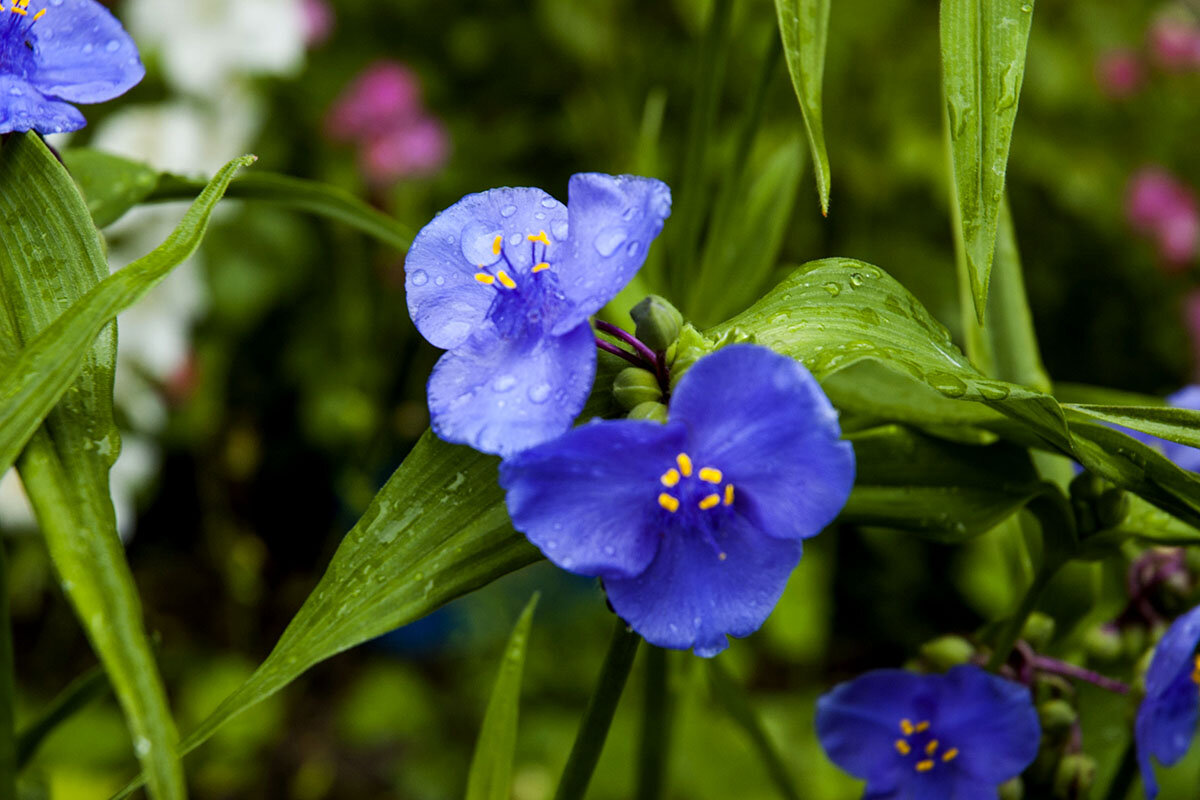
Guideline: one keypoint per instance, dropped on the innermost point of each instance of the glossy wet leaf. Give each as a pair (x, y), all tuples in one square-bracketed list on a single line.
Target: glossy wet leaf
[(804, 28), (983, 66), (110, 184), (1174, 424), (490, 776)]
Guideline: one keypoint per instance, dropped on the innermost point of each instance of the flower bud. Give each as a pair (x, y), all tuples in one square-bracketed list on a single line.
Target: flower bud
[(1038, 630), (634, 386), (945, 652), (1103, 643), (1111, 508), (650, 410), (658, 323), (1074, 778), (1012, 789), (1057, 718)]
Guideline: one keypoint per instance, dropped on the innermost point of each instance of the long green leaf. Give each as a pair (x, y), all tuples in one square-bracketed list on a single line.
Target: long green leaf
[(490, 777), (50, 255), (1015, 351), (436, 531), (983, 66), (1174, 424), (804, 28)]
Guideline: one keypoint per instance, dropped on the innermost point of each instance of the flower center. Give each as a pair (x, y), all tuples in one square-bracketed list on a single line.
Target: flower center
[(16, 37), (709, 488), (918, 741), (21, 7), (521, 299)]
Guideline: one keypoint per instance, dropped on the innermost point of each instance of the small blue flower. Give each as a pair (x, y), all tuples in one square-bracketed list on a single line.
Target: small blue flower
[(694, 525), (57, 52), (505, 280), (1166, 719), (956, 736), (1184, 456)]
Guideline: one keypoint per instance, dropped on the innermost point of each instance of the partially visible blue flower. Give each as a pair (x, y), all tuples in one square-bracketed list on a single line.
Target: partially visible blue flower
[(505, 280), (57, 52), (956, 736), (1166, 719), (1184, 456), (694, 525)]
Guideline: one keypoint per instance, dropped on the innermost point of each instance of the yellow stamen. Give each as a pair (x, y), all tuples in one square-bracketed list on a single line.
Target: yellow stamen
[(906, 727), (18, 10), (540, 267), (1196, 671), (712, 501), (903, 747), (508, 282), (670, 478), (931, 748), (922, 726), (710, 475), (722, 556), (950, 754), (483, 277), (668, 502), (23, 3), (685, 464), (39, 15), (541, 237), (729, 494), (496, 243), (925, 766)]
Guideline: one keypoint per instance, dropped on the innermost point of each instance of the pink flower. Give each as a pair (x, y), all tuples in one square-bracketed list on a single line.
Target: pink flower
[(319, 21), (1119, 73), (1175, 44), (415, 149), (1163, 208)]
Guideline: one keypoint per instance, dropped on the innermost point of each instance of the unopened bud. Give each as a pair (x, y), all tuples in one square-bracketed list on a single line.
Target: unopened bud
[(1111, 508), (658, 323), (655, 412), (1074, 778), (945, 652), (634, 386), (1038, 630), (1103, 643), (1057, 717)]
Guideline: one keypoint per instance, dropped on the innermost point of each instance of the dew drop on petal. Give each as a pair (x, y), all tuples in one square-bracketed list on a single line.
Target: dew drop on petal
[(609, 239), (439, 280), (420, 278), (508, 211), (539, 215), (549, 202), (88, 48), (629, 214), (515, 239), (477, 243), (539, 393), (633, 249), (112, 46), (559, 228), (504, 383)]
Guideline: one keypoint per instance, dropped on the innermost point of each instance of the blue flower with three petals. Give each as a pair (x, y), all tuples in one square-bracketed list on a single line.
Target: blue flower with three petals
[(57, 52), (694, 526), (956, 736), (1166, 719), (505, 280)]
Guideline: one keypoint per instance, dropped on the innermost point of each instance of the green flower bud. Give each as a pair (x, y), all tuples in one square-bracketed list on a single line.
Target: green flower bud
[(650, 410), (945, 652), (634, 386), (1111, 508), (1038, 630), (1074, 778), (1087, 486), (1058, 717), (1133, 641), (1012, 789), (658, 323), (1102, 644)]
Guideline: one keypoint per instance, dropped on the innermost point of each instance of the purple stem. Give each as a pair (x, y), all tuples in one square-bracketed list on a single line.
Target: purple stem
[(628, 338), (1041, 663), (609, 347)]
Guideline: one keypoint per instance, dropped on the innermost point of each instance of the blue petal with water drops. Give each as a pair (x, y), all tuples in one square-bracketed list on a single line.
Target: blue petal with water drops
[(1167, 716), (55, 52), (500, 277)]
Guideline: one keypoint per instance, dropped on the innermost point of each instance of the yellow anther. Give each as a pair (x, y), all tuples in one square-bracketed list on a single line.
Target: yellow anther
[(540, 267), (19, 10), (508, 282), (922, 726), (483, 277), (729, 494), (685, 464), (541, 237), (668, 502), (712, 501), (931, 748), (722, 556), (710, 475), (496, 244), (1196, 671), (39, 15), (903, 747), (925, 766), (670, 478), (950, 754), (906, 727)]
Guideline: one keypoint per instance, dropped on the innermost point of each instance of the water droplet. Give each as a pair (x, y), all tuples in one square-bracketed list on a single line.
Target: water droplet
[(504, 383), (610, 550), (478, 239), (856, 280), (559, 228), (112, 46), (959, 110), (88, 48), (539, 393), (15, 91), (515, 239), (632, 249), (833, 289), (420, 278), (993, 391), (142, 746), (609, 239), (508, 211), (439, 280), (629, 214), (549, 202), (1008, 83), (947, 384), (539, 216), (1028, 7)]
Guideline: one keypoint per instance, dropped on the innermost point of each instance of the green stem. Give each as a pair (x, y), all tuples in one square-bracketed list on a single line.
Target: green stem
[(593, 729), (83, 690), (733, 697), (8, 740), (656, 728), (1011, 630), (1122, 781)]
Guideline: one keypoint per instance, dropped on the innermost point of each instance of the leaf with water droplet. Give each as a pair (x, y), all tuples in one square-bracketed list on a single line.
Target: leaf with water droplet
[(804, 29)]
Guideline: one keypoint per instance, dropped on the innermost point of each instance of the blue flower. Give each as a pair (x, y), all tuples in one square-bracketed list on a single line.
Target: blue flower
[(956, 736), (57, 52), (1184, 456), (1166, 719), (505, 280), (694, 526)]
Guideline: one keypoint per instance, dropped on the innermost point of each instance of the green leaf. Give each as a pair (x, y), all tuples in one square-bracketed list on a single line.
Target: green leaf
[(111, 185), (1014, 346), (1144, 523), (437, 530), (49, 256), (490, 777), (804, 28), (1180, 425), (983, 66), (85, 689)]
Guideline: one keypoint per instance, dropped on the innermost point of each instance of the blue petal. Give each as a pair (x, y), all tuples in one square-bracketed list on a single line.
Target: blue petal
[(587, 498), (690, 598), (1173, 654), (1166, 719), (858, 723), (1184, 456), (990, 720), (778, 444), (502, 396), (24, 108), (83, 54), (445, 301), (613, 220)]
